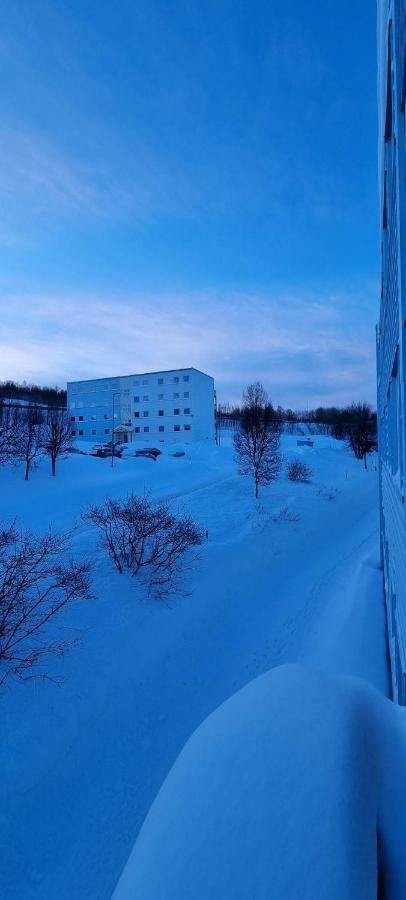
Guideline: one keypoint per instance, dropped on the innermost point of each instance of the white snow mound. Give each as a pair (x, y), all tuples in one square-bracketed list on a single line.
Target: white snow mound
[(294, 787)]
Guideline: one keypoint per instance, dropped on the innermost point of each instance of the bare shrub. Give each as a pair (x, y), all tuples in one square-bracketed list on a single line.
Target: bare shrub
[(147, 539), (286, 515), (329, 493), (37, 582), (299, 471)]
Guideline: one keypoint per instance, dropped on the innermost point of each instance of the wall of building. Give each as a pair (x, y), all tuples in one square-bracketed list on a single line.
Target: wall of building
[(391, 356), (151, 408)]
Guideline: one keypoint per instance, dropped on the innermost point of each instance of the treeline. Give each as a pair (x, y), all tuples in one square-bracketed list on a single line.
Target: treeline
[(32, 393), (334, 420), (356, 423)]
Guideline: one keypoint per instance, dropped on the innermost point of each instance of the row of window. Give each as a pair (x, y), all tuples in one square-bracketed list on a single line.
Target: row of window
[(161, 412), (175, 396), (137, 399), (96, 386), (137, 430), (175, 380), (93, 418), (161, 428)]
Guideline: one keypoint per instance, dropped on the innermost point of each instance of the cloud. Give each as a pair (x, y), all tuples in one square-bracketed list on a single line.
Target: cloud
[(305, 348)]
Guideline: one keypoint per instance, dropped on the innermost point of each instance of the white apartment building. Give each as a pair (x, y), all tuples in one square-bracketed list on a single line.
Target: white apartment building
[(150, 408)]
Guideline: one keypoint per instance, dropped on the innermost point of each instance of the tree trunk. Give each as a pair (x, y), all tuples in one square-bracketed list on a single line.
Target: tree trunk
[(53, 461), (256, 490), (27, 469)]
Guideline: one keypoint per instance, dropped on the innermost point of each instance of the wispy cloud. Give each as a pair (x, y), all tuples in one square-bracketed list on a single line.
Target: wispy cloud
[(305, 348)]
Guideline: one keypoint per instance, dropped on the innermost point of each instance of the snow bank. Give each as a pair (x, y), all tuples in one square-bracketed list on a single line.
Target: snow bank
[(266, 591), (283, 792)]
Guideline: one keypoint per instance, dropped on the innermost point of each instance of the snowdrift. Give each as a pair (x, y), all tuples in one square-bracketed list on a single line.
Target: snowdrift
[(294, 787)]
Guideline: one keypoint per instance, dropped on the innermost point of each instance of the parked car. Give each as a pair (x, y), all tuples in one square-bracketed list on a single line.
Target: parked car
[(149, 452), (104, 450)]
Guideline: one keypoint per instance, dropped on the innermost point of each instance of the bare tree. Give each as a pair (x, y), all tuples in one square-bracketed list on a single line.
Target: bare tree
[(9, 433), (147, 539), (361, 429), (37, 582), (299, 471), (257, 441), (30, 438), (57, 435)]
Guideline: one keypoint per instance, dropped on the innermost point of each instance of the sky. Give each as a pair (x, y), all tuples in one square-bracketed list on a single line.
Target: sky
[(191, 183)]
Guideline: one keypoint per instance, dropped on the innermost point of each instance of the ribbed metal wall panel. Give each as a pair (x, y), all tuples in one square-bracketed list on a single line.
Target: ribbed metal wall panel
[(391, 348)]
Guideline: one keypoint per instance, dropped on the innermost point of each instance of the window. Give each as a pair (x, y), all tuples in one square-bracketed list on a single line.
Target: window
[(136, 383), (176, 396), (73, 404), (186, 378), (176, 427), (105, 416), (187, 410), (161, 428), (73, 433), (137, 414), (80, 432), (72, 418), (93, 418), (107, 430), (186, 395), (176, 412), (160, 381), (137, 430), (176, 379), (94, 431), (160, 396), (136, 399), (146, 427), (145, 381), (80, 418), (161, 412), (145, 413), (145, 397), (187, 427)]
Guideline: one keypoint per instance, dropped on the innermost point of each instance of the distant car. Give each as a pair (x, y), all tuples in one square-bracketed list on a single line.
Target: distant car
[(149, 453), (103, 451)]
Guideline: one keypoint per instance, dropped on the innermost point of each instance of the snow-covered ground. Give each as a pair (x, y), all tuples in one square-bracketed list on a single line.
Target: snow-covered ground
[(291, 578)]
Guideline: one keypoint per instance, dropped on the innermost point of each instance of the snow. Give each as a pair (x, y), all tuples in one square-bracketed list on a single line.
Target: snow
[(82, 763), (281, 792)]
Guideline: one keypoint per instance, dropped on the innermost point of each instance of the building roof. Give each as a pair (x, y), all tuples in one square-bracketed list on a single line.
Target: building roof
[(141, 374)]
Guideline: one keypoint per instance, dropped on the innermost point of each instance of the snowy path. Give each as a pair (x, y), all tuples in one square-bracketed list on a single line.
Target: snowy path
[(83, 763)]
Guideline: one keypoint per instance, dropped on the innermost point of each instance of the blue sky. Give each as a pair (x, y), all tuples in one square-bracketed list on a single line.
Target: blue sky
[(190, 183)]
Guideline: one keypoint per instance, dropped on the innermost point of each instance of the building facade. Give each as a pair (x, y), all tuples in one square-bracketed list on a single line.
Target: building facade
[(151, 408), (391, 330)]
